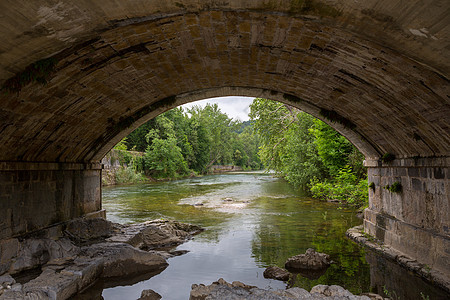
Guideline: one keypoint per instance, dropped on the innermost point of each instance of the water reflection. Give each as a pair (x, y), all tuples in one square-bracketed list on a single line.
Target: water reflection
[(266, 223)]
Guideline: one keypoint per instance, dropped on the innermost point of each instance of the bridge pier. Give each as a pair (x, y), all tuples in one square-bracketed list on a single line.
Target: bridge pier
[(413, 219), (37, 195)]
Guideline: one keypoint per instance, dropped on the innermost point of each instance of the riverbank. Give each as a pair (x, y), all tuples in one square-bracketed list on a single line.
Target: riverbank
[(64, 261), (119, 169), (424, 271)]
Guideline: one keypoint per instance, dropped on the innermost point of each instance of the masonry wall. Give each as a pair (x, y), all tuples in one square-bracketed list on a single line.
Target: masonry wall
[(36, 195), (415, 220)]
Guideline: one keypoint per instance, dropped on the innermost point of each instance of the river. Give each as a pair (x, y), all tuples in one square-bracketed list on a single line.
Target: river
[(266, 222)]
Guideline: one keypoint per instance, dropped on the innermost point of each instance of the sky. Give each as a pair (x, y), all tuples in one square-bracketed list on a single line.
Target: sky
[(234, 107)]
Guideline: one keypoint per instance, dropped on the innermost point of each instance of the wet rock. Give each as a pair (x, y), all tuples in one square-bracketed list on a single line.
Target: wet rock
[(88, 229), (222, 290), (154, 234), (6, 280), (64, 277), (149, 295), (121, 259), (67, 268), (311, 260), (219, 290), (276, 273), (36, 252), (373, 296), (331, 291), (198, 204)]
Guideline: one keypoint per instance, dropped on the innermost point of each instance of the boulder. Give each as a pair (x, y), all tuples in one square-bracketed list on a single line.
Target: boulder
[(88, 229), (237, 290), (67, 269), (149, 295), (37, 252), (331, 291), (6, 280), (155, 234), (121, 259), (277, 273), (311, 260)]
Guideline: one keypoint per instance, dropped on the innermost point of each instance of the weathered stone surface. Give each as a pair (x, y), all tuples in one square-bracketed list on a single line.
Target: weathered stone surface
[(123, 259), (373, 296), (221, 289), (310, 260), (48, 194), (149, 295), (6, 280), (365, 67), (36, 252), (438, 278), (417, 218), (82, 229), (276, 273), (331, 291), (155, 234), (68, 269)]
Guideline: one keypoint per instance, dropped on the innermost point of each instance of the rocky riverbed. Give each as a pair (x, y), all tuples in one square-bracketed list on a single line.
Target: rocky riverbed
[(66, 262), (221, 289)]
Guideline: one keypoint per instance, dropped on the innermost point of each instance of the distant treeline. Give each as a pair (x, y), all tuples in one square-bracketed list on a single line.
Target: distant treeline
[(182, 142)]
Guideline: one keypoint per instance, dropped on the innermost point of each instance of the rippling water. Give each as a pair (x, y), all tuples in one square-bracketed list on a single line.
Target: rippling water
[(266, 222)]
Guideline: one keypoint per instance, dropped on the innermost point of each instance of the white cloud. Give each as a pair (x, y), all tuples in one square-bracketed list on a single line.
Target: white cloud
[(234, 107)]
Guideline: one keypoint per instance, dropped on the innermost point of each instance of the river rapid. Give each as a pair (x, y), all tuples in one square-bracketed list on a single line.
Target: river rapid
[(252, 221)]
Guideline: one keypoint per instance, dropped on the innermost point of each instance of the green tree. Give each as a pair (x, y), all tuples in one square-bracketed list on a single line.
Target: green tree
[(287, 147), (203, 136), (308, 153), (164, 158)]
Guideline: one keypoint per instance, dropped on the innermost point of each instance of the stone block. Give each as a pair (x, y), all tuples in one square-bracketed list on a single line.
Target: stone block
[(9, 249), (417, 185)]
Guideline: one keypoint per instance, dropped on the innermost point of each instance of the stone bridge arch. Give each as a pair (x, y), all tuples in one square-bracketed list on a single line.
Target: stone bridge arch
[(78, 76)]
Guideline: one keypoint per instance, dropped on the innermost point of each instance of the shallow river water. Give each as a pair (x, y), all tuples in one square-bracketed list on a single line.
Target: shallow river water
[(266, 222)]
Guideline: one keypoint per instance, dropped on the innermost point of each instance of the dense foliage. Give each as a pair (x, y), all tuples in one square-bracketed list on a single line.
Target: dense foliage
[(309, 153), (182, 142), (304, 150)]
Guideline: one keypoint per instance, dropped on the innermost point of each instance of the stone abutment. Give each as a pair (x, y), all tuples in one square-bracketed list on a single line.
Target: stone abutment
[(409, 208), (34, 196)]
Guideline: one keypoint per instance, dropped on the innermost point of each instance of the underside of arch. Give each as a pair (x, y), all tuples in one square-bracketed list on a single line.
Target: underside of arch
[(97, 91), (77, 76)]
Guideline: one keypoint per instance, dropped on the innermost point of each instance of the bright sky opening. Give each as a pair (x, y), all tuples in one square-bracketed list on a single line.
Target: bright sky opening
[(235, 107)]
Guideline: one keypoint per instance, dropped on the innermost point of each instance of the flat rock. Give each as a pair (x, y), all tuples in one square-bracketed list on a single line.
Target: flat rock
[(122, 259), (311, 260), (276, 273), (154, 234), (149, 295), (67, 269)]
